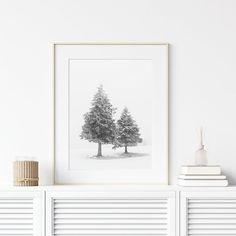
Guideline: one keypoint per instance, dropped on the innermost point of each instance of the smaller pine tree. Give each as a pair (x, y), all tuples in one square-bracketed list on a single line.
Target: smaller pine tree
[(127, 131)]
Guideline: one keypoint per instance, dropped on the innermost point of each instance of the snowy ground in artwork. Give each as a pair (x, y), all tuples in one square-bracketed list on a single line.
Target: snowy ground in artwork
[(85, 158)]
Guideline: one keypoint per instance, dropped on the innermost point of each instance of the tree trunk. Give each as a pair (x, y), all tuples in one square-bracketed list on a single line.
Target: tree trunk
[(99, 150), (126, 150)]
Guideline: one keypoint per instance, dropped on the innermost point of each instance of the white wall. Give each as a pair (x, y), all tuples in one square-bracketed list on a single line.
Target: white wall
[(202, 70)]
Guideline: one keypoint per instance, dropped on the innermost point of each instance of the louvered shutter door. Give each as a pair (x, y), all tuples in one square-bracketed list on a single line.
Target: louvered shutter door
[(19, 214), (206, 214), (97, 214)]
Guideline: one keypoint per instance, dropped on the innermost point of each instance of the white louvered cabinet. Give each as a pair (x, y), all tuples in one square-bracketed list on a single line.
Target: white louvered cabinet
[(20, 213), (118, 211), (111, 213), (208, 213)]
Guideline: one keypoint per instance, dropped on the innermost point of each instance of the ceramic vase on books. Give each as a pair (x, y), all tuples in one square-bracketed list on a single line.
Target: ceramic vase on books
[(201, 157), (201, 153)]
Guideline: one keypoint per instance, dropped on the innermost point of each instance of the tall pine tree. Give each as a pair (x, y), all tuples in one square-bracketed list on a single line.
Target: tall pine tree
[(127, 131), (99, 126)]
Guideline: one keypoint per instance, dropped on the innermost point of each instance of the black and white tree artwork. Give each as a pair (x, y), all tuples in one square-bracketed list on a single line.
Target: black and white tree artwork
[(127, 131), (99, 126), (110, 115)]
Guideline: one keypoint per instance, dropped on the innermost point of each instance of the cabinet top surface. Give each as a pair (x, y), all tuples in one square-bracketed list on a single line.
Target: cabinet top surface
[(128, 188)]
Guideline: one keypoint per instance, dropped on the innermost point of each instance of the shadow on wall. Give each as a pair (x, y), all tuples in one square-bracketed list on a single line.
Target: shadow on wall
[(230, 176)]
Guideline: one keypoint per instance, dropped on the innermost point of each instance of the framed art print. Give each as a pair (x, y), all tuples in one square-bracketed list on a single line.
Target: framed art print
[(111, 113)]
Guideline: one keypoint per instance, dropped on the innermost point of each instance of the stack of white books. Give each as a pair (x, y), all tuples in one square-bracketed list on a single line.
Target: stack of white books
[(202, 176)]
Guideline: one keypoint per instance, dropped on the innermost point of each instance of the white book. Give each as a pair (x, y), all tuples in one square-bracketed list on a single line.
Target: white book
[(203, 183), (202, 177), (200, 170)]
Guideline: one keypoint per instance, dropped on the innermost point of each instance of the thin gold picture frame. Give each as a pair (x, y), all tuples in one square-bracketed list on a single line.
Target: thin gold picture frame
[(54, 45)]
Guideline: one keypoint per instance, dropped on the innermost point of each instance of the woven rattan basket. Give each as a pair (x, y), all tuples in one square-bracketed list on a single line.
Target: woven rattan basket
[(25, 173)]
